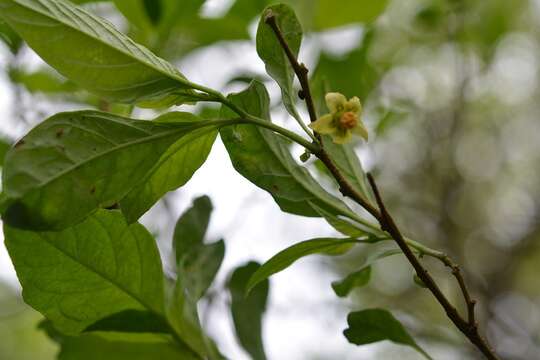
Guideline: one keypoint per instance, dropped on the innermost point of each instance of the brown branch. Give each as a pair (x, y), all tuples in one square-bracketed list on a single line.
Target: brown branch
[(301, 72), (469, 301), (468, 327)]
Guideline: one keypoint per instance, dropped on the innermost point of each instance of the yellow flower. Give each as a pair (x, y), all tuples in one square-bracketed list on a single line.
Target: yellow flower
[(343, 120)]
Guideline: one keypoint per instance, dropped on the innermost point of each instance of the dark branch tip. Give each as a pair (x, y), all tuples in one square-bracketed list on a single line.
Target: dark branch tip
[(269, 17)]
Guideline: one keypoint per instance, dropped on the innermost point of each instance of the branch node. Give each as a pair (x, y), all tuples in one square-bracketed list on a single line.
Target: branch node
[(269, 17)]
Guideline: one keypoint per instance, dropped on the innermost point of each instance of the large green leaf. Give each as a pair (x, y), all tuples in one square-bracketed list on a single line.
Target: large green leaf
[(373, 325), (247, 310), (89, 272), (74, 163), (273, 55), (285, 258), (174, 169), (92, 53), (264, 158), (123, 347)]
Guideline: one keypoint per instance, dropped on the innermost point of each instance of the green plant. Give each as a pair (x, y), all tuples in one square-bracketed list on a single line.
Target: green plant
[(75, 186)]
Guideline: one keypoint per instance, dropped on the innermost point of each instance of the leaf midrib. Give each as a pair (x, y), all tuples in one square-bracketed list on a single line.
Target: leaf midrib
[(101, 275)]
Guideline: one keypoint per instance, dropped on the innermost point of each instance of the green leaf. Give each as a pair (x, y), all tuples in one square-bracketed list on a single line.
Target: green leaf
[(92, 53), (5, 145), (41, 81), (198, 263), (194, 32), (73, 163), (10, 37), (191, 227), (173, 170), (247, 310), (285, 258), (154, 10), (355, 280), (333, 13), (273, 55), (373, 325), (346, 160), (89, 272), (264, 158), (182, 28), (346, 227), (184, 319), (136, 12), (247, 9), (361, 277), (123, 347), (200, 266), (87, 1), (131, 321)]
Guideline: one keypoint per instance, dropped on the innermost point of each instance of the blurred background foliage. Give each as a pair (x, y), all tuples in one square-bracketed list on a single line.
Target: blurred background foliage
[(450, 93)]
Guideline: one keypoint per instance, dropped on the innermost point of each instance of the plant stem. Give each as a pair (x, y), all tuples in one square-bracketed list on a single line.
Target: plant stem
[(219, 97), (468, 327)]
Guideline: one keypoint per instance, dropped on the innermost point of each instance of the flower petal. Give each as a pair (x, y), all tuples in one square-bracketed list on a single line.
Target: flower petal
[(354, 105), (341, 137), (335, 101), (361, 130), (324, 125)]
